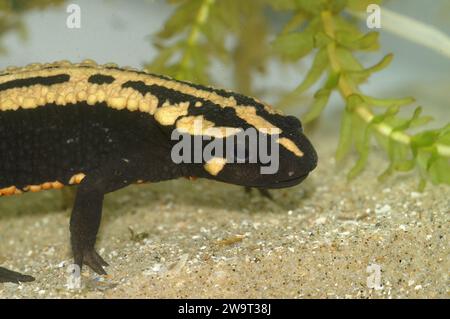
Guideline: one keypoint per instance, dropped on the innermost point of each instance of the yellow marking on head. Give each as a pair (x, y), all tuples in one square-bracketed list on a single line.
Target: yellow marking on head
[(290, 146), (215, 165), (168, 114), (193, 125), (221, 131), (248, 114), (197, 125), (77, 178), (270, 109)]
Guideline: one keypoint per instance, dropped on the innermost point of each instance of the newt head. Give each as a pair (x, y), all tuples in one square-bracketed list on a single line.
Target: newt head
[(249, 145)]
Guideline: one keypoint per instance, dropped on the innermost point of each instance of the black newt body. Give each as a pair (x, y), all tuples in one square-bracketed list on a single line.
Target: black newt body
[(105, 128)]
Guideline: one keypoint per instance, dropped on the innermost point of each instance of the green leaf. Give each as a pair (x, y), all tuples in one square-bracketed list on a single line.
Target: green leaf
[(282, 5), (362, 75), (444, 135), (337, 6), (353, 101), (180, 20), (422, 158), (368, 42), (363, 147), (319, 65), (361, 5), (424, 139), (296, 21), (347, 60), (344, 25), (439, 170), (345, 136), (422, 184), (405, 166), (385, 61), (420, 121), (294, 45), (320, 101), (387, 102), (332, 81), (227, 14), (398, 156), (389, 113), (321, 39), (400, 124), (199, 66), (311, 7)]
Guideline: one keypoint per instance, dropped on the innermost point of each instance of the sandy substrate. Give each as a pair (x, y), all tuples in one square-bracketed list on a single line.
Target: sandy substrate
[(204, 239)]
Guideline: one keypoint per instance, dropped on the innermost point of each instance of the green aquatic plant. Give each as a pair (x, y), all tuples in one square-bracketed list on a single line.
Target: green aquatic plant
[(196, 34), (11, 12)]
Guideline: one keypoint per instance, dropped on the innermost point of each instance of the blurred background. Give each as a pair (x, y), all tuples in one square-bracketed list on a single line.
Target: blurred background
[(122, 32)]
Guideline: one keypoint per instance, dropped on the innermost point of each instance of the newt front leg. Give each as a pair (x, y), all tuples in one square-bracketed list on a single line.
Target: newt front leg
[(87, 210)]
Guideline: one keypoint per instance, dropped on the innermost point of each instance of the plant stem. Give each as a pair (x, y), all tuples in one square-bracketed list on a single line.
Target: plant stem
[(363, 110), (200, 20), (412, 30)]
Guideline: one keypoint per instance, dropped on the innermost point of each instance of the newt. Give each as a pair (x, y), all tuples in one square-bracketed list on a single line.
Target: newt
[(103, 128)]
